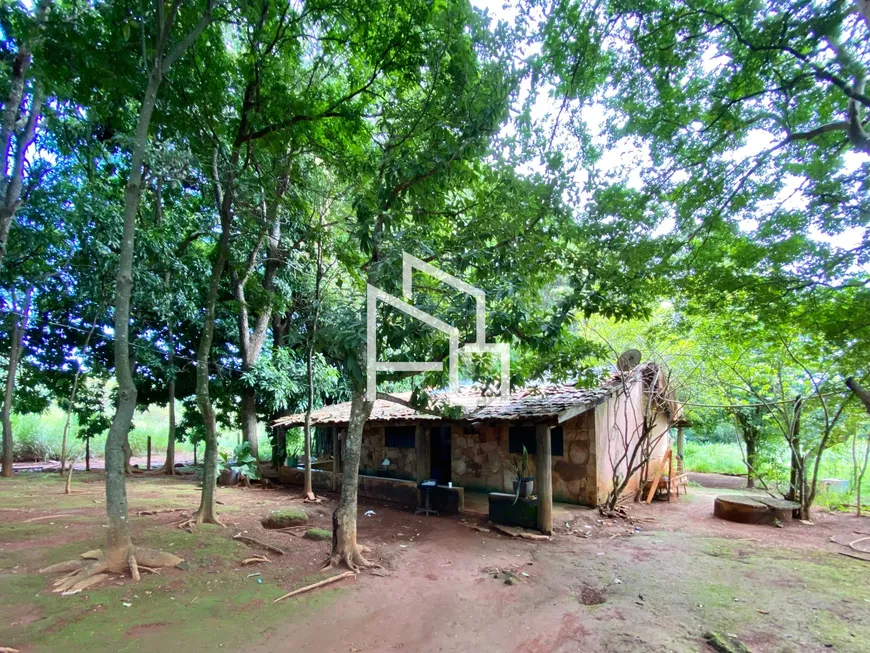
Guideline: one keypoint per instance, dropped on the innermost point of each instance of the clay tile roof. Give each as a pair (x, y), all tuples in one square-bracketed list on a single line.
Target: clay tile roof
[(536, 402)]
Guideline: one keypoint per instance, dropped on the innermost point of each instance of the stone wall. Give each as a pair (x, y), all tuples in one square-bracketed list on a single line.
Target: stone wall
[(381, 489), (574, 473), (403, 460), (480, 460)]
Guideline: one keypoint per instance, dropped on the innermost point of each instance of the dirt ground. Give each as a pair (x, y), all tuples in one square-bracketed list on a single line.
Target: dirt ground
[(658, 584)]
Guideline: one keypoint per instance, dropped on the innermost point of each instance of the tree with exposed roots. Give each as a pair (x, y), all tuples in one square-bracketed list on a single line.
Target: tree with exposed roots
[(119, 554), (345, 549)]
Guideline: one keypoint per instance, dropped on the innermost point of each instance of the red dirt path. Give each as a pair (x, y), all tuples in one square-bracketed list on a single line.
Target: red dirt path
[(440, 594)]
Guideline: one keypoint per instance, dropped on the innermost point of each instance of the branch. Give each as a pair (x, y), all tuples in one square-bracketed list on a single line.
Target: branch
[(860, 392), (329, 112), (191, 36), (858, 137), (25, 138), (841, 125), (407, 404)]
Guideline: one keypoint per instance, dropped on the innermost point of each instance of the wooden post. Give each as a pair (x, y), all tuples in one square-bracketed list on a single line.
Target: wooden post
[(148, 464), (680, 441), (87, 454), (544, 480), (336, 457), (423, 452)]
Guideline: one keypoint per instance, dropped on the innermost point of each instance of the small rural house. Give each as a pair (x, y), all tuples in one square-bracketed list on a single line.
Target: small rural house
[(592, 432)]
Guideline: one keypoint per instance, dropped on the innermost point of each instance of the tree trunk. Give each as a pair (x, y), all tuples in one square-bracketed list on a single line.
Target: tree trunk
[(280, 326), (796, 473), (206, 514), (307, 489), (15, 348), (344, 546), (248, 415), (863, 7), (805, 497), (751, 459), (206, 511), (310, 362), (72, 394), (169, 463), (15, 146), (119, 546), (860, 392)]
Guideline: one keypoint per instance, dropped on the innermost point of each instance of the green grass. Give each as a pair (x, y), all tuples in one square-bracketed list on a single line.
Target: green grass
[(40, 436), (211, 604), (713, 458), (725, 458), (199, 611)]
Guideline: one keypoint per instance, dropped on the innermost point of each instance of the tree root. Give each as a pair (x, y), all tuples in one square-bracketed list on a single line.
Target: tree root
[(251, 541), (82, 576), (149, 513), (74, 580), (314, 586), (197, 519), (84, 584), (134, 568), (353, 559)]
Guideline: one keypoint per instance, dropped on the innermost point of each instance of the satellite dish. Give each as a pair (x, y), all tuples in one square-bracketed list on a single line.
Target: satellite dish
[(628, 360)]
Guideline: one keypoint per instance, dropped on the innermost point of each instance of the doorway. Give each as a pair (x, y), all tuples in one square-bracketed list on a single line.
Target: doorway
[(439, 454)]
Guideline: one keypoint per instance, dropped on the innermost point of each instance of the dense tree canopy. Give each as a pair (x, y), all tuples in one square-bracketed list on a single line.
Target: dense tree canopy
[(194, 195)]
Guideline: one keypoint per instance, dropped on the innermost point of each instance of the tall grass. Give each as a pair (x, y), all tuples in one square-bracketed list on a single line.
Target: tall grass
[(713, 458), (726, 458), (39, 436)]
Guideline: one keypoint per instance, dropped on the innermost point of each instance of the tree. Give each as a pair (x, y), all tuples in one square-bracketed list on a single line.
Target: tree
[(23, 32), (119, 553), (206, 513), (317, 299), (20, 326), (859, 466)]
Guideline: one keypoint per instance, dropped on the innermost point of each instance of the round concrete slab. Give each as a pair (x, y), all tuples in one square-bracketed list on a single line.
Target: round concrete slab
[(753, 510)]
